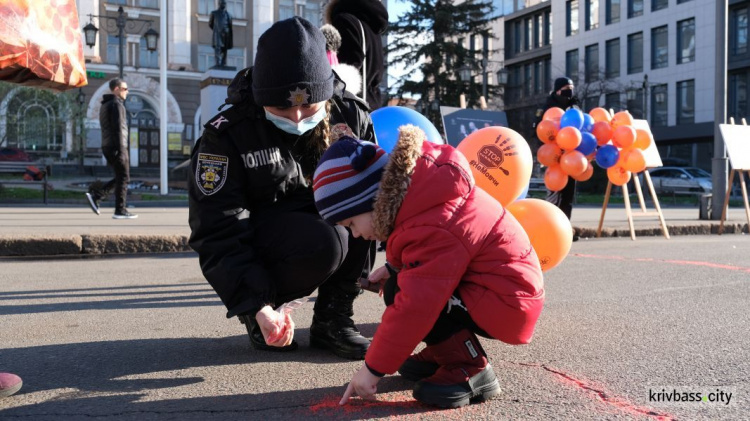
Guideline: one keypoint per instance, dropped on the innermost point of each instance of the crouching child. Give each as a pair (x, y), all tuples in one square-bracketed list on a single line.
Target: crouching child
[(458, 265)]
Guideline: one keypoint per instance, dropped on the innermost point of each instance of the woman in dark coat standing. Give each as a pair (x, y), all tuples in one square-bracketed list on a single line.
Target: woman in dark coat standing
[(346, 16)]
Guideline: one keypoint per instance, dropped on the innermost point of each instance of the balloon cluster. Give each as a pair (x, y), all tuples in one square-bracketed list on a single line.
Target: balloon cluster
[(573, 139), (500, 160)]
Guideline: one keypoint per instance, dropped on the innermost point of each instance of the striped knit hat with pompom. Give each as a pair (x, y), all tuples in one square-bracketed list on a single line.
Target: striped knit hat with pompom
[(347, 178)]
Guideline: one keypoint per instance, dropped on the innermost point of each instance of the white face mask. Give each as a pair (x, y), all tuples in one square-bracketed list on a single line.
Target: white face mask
[(304, 125)]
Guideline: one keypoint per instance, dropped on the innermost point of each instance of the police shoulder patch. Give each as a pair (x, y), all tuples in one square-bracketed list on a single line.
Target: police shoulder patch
[(211, 172)]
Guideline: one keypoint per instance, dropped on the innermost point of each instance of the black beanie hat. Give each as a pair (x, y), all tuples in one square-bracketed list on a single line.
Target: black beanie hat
[(291, 66), (562, 81)]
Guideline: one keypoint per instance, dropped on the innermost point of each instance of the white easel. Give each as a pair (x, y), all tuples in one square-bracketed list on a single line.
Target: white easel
[(737, 141), (653, 160)]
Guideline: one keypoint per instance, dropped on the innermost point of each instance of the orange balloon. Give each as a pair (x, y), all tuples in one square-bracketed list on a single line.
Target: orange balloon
[(554, 113), (642, 139), (603, 132), (623, 137), (573, 163), (500, 160), (555, 178), (622, 118), (586, 175), (600, 114), (548, 228), (635, 162), (549, 154), (568, 138), (546, 130), (618, 175)]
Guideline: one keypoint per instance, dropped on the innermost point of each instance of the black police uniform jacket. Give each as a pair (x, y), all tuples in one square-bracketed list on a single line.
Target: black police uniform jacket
[(244, 170)]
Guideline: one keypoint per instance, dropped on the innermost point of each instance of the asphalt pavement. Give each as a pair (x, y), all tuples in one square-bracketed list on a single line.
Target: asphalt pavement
[(145, 338)]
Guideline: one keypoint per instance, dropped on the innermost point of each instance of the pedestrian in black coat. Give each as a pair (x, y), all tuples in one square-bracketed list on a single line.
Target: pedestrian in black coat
[(562, 96), (355, 19), (114, 124)]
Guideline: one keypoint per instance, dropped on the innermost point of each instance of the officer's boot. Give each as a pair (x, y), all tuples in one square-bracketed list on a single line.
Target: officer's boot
[(464, 374), (332, 326)]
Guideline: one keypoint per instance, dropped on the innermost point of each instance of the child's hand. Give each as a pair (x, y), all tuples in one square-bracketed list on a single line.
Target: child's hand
[(276, 332), (376, 280), (364, 384)]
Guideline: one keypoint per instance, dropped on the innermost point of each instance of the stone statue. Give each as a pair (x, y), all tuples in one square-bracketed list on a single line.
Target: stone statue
[(221, 23)]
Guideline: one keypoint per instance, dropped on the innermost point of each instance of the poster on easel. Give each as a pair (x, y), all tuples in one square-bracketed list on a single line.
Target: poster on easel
[(461, 122), (737, 141), (651, 153)]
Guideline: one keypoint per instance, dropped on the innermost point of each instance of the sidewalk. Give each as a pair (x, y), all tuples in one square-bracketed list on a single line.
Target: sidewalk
[(39, 230)]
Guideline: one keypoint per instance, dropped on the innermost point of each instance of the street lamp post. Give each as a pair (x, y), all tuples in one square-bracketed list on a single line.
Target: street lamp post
[(120, 22)]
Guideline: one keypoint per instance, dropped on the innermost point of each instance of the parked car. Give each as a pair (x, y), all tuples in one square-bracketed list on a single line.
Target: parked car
[(14, 154), (681, 180)]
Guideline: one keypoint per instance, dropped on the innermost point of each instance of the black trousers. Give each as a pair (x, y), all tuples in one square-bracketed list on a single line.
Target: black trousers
[(563, 199), (120, 163), (454, 317), (303, 252)]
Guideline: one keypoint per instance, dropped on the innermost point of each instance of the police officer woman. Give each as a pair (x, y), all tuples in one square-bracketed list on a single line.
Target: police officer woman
[(254, 224)]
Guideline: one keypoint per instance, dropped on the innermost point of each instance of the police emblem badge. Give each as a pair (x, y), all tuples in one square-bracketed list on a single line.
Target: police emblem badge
[(211, 172), (298, 97)]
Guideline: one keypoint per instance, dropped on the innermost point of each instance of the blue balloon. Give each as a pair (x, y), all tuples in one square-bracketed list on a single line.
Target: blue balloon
[(387, 120), (572, 118), (607, 156), (588, 143), (524, 193), (588, 123)]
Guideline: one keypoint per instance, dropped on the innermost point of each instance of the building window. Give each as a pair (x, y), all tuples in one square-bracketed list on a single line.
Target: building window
[(682, 1), (236, 8), (659, 105), (528, 38), (659, 4), (206, 57), (591, 102), (635, 53), (686, 41), (635, 102), (659, 50), (737, 105), (612, 101), (571, 17), (635, 8), (312, 12), (686, 102), (571, 64), (286, 9), (147, 58), (113, 50), (738, 31), (538, 31), (612, 67), (592, 14), (613, 11), (548, 25), (517, 36), (592, 62)]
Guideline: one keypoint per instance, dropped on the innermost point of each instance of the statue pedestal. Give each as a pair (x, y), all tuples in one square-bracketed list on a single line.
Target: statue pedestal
[(214, 85)]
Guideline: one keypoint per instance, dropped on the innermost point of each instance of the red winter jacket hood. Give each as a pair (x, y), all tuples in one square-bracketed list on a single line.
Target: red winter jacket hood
[(446, 234)]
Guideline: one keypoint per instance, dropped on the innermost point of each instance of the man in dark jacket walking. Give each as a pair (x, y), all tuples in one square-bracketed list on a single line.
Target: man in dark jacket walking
[(114, 124), (355, 19)]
